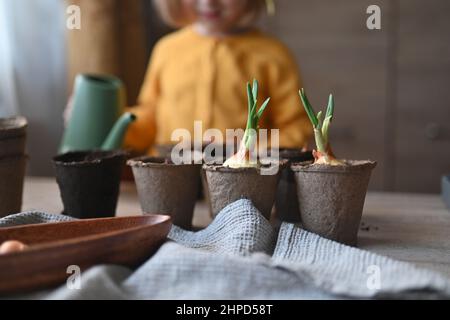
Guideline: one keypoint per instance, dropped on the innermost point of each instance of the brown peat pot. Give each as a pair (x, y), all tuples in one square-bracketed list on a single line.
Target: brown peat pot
[(331, 198), (286, 202), (167, 188), (89, 182), (227, 185), (13, 134), (12, 174)]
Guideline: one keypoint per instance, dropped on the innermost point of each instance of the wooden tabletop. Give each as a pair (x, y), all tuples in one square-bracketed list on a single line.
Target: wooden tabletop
[(408, 227)]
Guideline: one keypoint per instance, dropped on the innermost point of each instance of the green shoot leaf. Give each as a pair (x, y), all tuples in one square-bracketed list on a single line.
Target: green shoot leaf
[(254, 115), (309, 109), (255, 91), (319, 119), (330, 108), (250, 97), (262, 109), (328, 119), (248, 144), (321, 123), (250, 105), (325, 128)]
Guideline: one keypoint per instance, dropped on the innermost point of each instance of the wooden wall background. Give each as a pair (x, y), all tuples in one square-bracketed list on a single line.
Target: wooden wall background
[(337, 53), (112, 40), (391, 85)]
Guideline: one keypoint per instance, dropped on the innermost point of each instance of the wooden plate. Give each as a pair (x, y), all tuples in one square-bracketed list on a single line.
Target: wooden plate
[(53, 247)]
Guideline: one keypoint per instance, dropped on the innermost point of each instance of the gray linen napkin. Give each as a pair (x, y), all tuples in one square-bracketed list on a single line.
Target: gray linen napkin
[(240, 256)]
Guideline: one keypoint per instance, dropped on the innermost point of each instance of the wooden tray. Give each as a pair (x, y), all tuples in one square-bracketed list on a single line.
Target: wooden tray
[(53, 247)]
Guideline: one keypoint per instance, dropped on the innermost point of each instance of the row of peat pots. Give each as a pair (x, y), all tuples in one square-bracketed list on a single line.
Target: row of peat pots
[(13, 160), (327, 200)]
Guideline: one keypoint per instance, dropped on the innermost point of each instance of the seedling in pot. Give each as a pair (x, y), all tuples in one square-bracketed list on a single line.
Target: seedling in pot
[(321, 125), (330, 192), (243, 175), (245, 156)]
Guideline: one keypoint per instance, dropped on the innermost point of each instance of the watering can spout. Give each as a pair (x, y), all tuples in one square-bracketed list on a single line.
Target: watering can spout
[(117, 134)]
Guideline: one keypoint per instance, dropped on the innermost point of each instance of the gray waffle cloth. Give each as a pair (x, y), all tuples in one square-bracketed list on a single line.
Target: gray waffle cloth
[(241, 256)]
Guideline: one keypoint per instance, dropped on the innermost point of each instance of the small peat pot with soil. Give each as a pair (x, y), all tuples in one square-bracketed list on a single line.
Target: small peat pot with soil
[(167, 188), (243, 175), (331, 192), (89, 182)]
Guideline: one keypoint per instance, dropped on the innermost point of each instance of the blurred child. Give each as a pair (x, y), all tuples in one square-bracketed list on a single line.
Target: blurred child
[(199, 72)]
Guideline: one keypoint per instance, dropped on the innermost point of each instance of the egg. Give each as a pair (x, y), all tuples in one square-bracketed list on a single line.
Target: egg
[(12, 246)]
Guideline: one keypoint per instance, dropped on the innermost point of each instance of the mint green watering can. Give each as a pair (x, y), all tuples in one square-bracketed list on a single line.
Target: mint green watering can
[(97, 121)]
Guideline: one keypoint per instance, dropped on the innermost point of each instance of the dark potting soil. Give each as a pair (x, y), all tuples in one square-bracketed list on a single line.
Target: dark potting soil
[(365, 227), (153, 161), (348, 165), (158, 161), (220, 167), (86, 158)]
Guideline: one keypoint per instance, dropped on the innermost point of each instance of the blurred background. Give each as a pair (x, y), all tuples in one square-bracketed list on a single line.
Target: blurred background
[(392, 85)]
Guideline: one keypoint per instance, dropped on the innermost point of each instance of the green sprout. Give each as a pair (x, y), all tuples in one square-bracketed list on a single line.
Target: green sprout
[(242, 157), (321, 126)]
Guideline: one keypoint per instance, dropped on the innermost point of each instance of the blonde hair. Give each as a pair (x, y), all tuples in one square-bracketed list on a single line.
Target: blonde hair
[(171, 11)]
